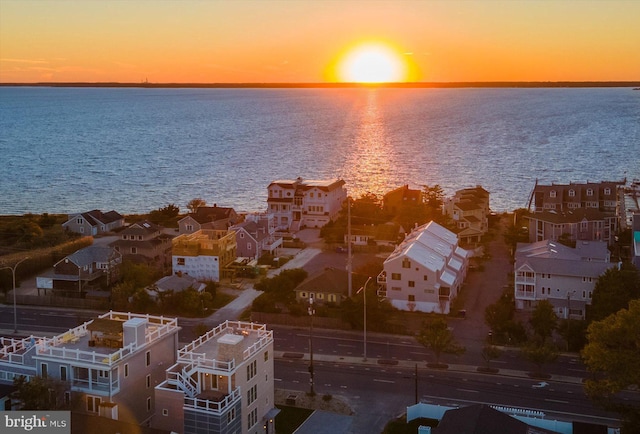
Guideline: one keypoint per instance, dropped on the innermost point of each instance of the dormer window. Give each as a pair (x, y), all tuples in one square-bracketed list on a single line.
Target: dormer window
[(572, 193), (607, 191), (552, 193), (589, 192)]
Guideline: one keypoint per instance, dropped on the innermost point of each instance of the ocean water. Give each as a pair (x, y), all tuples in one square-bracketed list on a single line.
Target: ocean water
[(67, 150)]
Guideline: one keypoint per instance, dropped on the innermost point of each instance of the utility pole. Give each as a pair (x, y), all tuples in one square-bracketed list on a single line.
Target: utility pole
[(349, 245), (312, 392), (416, 377)]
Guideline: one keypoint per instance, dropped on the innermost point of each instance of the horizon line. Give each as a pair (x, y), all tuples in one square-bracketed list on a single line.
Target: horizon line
[(434, 84)]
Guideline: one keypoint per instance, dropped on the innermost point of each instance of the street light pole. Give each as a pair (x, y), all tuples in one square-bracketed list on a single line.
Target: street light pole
[(311, 313), (13, 274)]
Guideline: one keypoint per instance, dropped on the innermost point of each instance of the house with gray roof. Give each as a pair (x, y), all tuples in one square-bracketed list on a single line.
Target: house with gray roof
[(256, 236), (208, 217), (93, 222), (145, 242), (328, 286), (173, 284), (469, 209), (91, 268), (564, 276)]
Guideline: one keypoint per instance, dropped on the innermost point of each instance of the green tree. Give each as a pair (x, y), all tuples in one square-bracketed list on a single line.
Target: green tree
[(539, 354), (489, 353), (412, 214), (433, 198), (613, 291), (499, 316), (366, 210), (574, 333), (196, 203), (166, 216), (543, 320), (436, 336), (613, 356), (40, 394)]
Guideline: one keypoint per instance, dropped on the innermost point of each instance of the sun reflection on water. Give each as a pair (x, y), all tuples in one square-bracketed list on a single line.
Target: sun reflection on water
[(369, 163)]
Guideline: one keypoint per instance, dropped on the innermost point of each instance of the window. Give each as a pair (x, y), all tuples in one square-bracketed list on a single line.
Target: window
[(430, 291), (425, 278), (43, 370), (165, 411), (412, 284), (189, 228), (266, 356), (63, 373), (180, 261), (252, 370), (589, 192), (396, 276), (67, 398), (552, 193), (248, 246), (572, 193), (412, 297), (93, 404), (406, 263), (241, 235), (149, 404), (253, 417), (607, 191), (396, 288), (134, 250), (126, 370), (252, 394), (231, 416), (148, 381)]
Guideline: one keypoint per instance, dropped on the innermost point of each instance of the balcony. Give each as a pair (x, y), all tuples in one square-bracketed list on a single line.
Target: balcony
[(213, 402), (526, 295)]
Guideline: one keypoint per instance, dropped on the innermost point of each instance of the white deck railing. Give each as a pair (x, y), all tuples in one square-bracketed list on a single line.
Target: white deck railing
[(216, 407)]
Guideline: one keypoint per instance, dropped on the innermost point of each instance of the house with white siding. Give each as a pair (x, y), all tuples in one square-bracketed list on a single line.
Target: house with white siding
[(565, 276), (222, 382), (300, 203), (205, 254), (425, 272), (110, 364)]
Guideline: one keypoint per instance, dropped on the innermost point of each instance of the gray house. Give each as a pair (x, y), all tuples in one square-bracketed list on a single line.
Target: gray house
[(564, 276), (86, 269), (93, 222), (256, 236)]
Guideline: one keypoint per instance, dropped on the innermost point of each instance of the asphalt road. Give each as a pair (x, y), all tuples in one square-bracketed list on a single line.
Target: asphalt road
[(377, 394)]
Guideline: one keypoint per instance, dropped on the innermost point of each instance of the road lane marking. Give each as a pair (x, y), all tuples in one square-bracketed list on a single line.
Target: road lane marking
[(557, 400), (467, 390), (383, 381), (277, 379)]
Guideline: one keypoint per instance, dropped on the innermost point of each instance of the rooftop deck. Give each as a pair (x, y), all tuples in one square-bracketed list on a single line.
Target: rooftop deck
[(84, 343), (205, 351)]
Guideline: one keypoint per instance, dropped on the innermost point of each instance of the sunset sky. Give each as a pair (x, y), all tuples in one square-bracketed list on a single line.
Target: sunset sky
[(303, 41)]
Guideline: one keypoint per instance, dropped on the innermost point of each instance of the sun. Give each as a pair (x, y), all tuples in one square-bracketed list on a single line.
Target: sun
[(372, 63)]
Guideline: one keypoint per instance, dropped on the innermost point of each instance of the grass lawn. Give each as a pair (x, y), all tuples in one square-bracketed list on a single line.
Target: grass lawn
[(290, 418)]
